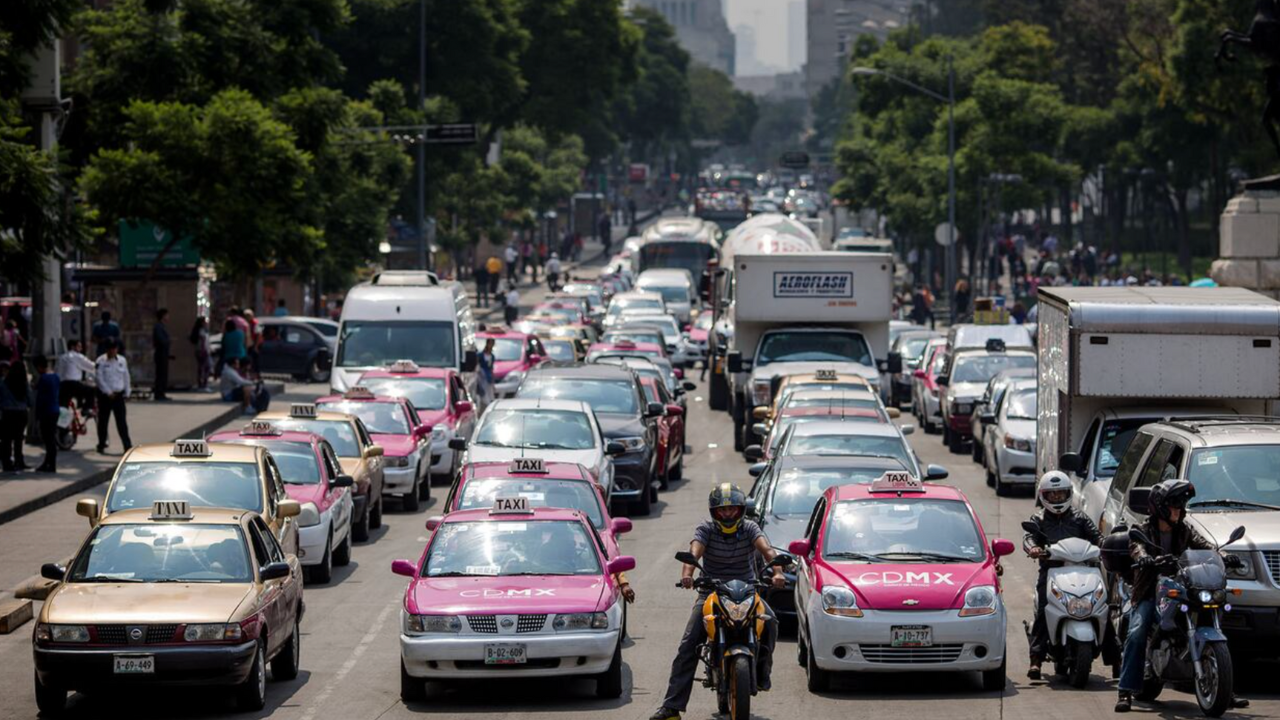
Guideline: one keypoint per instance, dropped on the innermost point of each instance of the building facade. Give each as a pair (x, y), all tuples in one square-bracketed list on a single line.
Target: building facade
[(701, 28), (832, 27)]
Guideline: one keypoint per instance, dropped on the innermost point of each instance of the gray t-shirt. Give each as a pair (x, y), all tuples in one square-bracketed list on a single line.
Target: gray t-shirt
[(728, 557)]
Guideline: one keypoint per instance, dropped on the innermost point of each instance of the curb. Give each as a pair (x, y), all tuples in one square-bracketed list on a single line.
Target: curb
[(101, 476)]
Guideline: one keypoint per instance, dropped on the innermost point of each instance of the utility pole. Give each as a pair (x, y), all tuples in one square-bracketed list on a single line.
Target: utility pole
[(951, 187), (44, 98), (422, 142)]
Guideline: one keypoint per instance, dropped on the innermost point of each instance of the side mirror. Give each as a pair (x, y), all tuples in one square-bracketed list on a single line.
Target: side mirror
[(754, 453), (987, 418), (894, 413), (404, 567), (1234, 536), (935, 472), (273, 571), (621, 564), (687, 558), (469, 361), (675, 411), (1136, 535), (943, 380), (895, 363), (1001, 547), (614, 448), (373, 451), (1069, 462), (798, 548), (689, 386), (653, 410), (908, 429), (760, 429), (782, 560), (1139, 500), (535, 359), (620, 526), (735, 361), (52, 571), (421, 431), (88, 507), (757, 469), (343, 481), (433, 522), (457, 443), (288, 508), (760, 412), (1031, 527), (463, 406), (918, 374)]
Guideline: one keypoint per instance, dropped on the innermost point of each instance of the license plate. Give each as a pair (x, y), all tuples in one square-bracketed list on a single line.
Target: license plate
[(135, 664), (909, 636), (504, 654)]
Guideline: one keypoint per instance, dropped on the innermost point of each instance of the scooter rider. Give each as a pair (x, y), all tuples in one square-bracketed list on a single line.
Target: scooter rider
[(1057, 521), (1165, 526), (724, 545)]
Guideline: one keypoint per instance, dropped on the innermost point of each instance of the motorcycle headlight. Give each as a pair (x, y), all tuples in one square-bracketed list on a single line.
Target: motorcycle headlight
[(581, 621), (1206, 597), (979, 600), (1079, 607), (396, 460), (1245, 571), (838, 600), (761, 392), (738, 611), (427, 624), (310, 515), (633, 444)]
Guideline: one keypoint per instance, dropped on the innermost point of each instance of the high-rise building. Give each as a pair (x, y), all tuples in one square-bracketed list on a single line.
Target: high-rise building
[(796, 49), (832, 27), (701, 28)]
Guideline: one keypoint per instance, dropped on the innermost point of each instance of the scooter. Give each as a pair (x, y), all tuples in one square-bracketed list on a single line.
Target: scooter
[(1076, 611), (733, 616)]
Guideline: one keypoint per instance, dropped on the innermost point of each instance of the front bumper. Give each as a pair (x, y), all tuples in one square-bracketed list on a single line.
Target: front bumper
[(932, 407), (959, 644), (462, 656), (632, 474), (441, 457), (1253, 628), (507, 386), (311, 540), (399, 480), (1015, 466), (82, 668)]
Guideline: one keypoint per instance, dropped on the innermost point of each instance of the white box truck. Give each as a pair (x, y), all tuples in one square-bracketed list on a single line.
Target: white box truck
[(1112, 359), (804, 312)]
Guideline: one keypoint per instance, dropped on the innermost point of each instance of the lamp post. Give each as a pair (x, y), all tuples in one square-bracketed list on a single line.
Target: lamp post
[(950, 100), (421, 209)]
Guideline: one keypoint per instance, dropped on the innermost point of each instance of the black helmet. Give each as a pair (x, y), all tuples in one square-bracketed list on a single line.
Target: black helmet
[(727, 495), (1169, 494)]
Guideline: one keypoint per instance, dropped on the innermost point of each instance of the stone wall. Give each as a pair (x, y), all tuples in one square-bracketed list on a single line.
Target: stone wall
[(1249, 243)]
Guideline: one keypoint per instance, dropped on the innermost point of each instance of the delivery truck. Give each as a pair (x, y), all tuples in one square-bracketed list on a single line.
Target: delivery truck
[(1112, 359)]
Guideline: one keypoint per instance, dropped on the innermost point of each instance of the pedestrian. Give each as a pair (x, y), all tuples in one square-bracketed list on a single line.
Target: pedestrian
[(72, 368), (235, 387), (484, 374), (104, 331), (566, 243), (511, 305), (233, 347), (604, 227), (511, 256), (960, 301), (919, 311), (528, 259), (114, 386), (282, 310), (48, 409), (10, 407), (161, 342), (199, 338), (480, 274), (553, 272), (252, 341)]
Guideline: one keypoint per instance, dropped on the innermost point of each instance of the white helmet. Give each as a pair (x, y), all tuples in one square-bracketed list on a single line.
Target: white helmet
[(1054, 491)]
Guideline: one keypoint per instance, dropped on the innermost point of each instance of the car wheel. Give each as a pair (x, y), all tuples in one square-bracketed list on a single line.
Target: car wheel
[(252, 693), (719, 392), (738, 432), (411, 688), (642, 506), (314, 372), (991, 478), (51, 700), (360, 527), (677, 473), (375, 515), (323, 572), (285, 665), (1001, 488), (609, 682), (946, 434), (342, 554), (818, 680), (424, 486), (994, 680), (977, 450), (955, 443), (664, 476), (409, 501)]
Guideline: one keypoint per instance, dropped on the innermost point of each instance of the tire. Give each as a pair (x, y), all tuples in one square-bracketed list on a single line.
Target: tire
[(66, 439), (375, 515), (991, 478), (424, 487), (315, 374), (738, 432), (1002, 489), (251, 695), (977, 451), (1215, 695), (609, 682), (323, 572), (1151, 689), (722, 702), (740, 688), (411, 688), (802, 650), (642, 506), (748, 437), (284, 666), (410, 502), (719, 392), (1082, 663), (994, 680), (360, 528), (51, 700), (677, 473), (624, 635), (946, 434), (664, 476), (817, 679), (342, 553), (955, 443)]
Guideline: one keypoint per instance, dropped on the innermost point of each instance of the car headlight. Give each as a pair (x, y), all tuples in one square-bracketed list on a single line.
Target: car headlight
[(426, 624), (310, 515), (213, 632), (839, 600), (439, 432), (738, 611), (581, 621), (396, 460), (1019, 444), (761, 392), (633, 444), (63, 633), (979, 600), (514, 376), (1245, 571)]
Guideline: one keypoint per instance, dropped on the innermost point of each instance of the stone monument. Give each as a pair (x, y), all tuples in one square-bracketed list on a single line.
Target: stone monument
[(1249, 239)]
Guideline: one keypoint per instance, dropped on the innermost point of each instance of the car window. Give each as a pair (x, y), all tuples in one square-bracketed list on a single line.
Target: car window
[(380, 417), (296, 336), (274, 552), (171, 552), (904, 530), (607, 396), (536, 547), (1128, 467), (535, 428), (425, 393), (1090, 437), (1153, 472), (260, 552), (337, 432), (202, 484)]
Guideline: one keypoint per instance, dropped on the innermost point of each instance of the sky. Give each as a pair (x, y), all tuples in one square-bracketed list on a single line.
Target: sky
[(769, 18)]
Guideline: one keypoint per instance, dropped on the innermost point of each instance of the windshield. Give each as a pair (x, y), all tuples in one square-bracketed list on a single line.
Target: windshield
[(296, 460), (570, 494), (536, 428), (566, 314), (832, 402), (671, 294), (634, 303), (384, 418), (164, 553), (535, 547), (604, 396), (691, 256), (982, 368), (504, 349), (1112, 444), (613, 337), (912, 347), (368, 343), (786, 421), (813, 346), (558, 350), (339, 433), (887, 445), (203, 484), (1242, 473), (797, 491), (904, 530), (1022, 406), (664, 323), (424, 393), (324, 329)]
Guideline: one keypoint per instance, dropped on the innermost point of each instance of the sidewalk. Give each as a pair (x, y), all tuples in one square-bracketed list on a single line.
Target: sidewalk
[(82, 467)]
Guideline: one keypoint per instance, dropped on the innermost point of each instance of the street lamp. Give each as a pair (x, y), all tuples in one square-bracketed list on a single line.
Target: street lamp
[(950, 100)]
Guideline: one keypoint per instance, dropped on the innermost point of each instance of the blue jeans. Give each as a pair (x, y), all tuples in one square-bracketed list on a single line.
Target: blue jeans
[(1141, 618)]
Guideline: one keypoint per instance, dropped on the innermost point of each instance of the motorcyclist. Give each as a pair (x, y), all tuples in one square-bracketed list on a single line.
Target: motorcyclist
[(1166, 527), (1058, 521), (725, 545)]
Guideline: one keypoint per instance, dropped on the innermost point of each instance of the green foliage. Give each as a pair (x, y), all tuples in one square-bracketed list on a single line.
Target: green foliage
[(720, 111)]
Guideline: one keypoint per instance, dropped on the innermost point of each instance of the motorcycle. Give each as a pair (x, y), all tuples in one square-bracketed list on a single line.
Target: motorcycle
[(1076, 611), (1186, 644), (734, 617)]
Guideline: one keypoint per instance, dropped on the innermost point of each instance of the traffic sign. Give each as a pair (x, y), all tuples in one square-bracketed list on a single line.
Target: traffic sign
[(452, 134), (794, 159), (944, 237)]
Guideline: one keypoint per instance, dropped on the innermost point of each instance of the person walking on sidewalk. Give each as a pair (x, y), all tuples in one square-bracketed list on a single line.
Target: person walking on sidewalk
[(15, 412), (160, 344), (199, 337), (480, 274), (553, 272), (512, 257), (605, 228), (114, 386), (511, 303), (48, 389), (72, 367)]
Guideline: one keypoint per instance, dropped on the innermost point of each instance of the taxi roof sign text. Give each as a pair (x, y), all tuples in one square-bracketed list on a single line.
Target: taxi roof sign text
[(302, 410), (170, 510), (260, 427), (827, 374), (518, 504), (358, 392), (190, 448), (897, 482), (527, 465)]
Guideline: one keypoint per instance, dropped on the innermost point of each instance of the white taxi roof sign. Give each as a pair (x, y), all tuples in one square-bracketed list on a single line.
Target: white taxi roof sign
[(403, 366), (518, 504), (190, 447), (827, 374), (170, 510), (897, 482), (358, 392), (260, 427), (302, 410), (527, 465)]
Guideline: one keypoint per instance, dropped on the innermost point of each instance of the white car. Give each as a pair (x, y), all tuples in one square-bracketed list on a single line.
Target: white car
[(633, 300), (553, 430), (682, 352), (841, 437), (676, 287), (1010, 442)]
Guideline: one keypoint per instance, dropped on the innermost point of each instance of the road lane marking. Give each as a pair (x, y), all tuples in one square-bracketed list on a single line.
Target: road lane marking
[(350, 664)]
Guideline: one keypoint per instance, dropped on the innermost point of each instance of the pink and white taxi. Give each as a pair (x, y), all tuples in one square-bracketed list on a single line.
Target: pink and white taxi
[(406, 443), (514, 354), (440, 399), (313, 476), (897, 576), (512, 591)]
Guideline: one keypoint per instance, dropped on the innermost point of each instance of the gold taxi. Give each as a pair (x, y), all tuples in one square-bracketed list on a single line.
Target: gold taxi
[(817, 380), (358, 455), (170, 594), (205, 475)]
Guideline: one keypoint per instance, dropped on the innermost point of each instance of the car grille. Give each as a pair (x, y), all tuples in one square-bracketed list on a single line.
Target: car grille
[(911, 655), (483, 623), (119, 634), (1273, 563), (530, 623), (488, 624)]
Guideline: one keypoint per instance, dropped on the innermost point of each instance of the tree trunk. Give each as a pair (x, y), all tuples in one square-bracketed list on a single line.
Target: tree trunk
[(1183, 228)]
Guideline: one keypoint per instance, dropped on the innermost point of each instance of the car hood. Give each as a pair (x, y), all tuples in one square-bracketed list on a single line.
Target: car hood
[(395, 445), (782, 530), (965, 392), (933, 586), (507, 595), (486, 453), (615, 425), (502, 367), (1262, 529), (1022, 429), (307, 493), (125, 603), (435, 418), (775, 369)]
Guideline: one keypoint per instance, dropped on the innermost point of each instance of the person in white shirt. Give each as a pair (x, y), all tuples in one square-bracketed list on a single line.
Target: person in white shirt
[(72, 369), (553, 272), (234, 386), (512, 256), (511, 305), (114, 386)]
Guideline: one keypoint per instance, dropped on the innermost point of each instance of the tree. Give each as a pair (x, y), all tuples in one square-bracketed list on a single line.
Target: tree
[(719, 110), (653, 113)]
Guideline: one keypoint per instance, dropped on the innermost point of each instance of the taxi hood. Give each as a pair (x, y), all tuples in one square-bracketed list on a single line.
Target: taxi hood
[(502, 367), (395, 445), (434, 418), (966, 391), (890, 586), (507, 595), (313, 493), (149, 603)]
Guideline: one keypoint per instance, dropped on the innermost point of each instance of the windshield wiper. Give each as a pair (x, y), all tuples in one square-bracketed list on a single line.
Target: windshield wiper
[(548, 446), (855, 556), (109, 578), (936, 557), (1243, 504), (520, 574), (455, 573)]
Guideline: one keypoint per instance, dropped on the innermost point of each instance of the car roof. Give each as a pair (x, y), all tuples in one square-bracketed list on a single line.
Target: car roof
[(335, 399), (838, 427), (539, 404), (582, 371), (637, 295), (616, 347), (811, 378), (837, 462), (1022, 384), (966, 353), (293, 436), (555, 471), (1225, 431), (325, 415), (863, 492), (199, 516), (803, 393), (218, 452), (538, 513), (502, 333), (422, 372), (659, 276)]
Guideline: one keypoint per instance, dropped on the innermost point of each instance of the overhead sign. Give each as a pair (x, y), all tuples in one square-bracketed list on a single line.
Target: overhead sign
[(141, 244), (452, 134), (795, 160), (788, 284)]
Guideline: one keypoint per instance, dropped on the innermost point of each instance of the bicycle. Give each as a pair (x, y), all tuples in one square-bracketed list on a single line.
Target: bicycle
[(78, 426)]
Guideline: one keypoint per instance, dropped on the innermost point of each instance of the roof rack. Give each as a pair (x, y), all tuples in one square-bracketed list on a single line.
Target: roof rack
[(1194, 423)]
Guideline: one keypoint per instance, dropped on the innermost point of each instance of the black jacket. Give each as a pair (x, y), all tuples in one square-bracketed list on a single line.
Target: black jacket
[(1185, 537), (1060, 526)]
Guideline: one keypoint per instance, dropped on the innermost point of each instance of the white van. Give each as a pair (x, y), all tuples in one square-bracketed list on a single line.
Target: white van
[(677, 290), (432, 326)]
